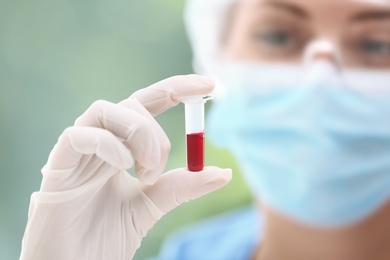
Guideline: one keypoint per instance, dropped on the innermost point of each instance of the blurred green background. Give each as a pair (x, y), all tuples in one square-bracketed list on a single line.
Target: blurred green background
[(56, 58)]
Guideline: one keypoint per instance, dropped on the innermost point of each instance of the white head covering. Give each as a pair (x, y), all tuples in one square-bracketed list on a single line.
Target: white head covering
[(205, 21)]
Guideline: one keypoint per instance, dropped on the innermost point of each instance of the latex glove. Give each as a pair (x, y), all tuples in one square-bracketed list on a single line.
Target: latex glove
[(88, 206)]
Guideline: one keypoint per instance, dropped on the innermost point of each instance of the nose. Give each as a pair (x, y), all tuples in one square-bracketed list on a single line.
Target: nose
[(322, 50), (324, 56)]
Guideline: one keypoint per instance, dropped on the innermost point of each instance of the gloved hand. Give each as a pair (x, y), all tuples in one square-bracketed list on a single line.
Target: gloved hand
[(88, 206)]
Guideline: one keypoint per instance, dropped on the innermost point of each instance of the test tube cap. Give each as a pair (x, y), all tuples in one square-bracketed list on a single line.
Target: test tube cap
[(194, 113), (196, 99)]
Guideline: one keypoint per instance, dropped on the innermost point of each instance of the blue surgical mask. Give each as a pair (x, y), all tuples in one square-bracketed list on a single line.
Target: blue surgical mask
[(309, 145)]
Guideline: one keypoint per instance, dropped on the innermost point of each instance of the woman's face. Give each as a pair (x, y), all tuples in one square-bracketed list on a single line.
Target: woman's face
[(280, 31)]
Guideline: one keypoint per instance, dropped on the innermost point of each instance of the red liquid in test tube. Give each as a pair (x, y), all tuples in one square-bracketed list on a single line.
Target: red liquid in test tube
[(195, 151), (195, 136)]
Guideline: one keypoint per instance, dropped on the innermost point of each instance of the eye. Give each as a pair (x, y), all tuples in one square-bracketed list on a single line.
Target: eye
[(375, 47), (277, 42), (276, 38), (368, 46)]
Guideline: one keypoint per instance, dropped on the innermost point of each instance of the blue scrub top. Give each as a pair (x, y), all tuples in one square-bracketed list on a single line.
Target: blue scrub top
[(230, 236)]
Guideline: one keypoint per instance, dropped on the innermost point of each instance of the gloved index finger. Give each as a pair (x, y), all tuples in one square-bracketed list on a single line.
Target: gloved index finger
[(169, 92)]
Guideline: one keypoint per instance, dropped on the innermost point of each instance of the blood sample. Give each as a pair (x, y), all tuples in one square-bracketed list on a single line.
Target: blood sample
[(195, 151), (194, 121)]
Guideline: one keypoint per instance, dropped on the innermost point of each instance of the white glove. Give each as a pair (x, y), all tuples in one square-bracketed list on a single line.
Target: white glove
[(88, 206)]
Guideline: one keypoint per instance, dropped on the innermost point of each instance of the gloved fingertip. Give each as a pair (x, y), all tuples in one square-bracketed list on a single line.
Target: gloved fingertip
[(128, 164), (207, 81), (124, 160), (223, 178), (227, 174)]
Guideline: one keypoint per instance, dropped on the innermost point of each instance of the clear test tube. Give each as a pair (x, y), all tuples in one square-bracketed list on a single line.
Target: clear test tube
[(194, 125)]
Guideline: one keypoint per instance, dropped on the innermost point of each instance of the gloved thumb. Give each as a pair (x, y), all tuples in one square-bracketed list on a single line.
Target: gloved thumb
[(180, 185)]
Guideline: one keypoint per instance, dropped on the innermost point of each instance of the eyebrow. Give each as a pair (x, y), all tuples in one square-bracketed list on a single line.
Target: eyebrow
[(291, 8), (372, 15)]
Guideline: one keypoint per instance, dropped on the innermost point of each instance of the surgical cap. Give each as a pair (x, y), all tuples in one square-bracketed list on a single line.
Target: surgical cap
[(205, 21)]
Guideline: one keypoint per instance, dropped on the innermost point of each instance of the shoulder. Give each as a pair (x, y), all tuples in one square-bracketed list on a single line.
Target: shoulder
[(230, 235)]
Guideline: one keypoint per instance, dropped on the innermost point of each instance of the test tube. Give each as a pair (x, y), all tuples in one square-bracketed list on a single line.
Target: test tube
[(194, 125)]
